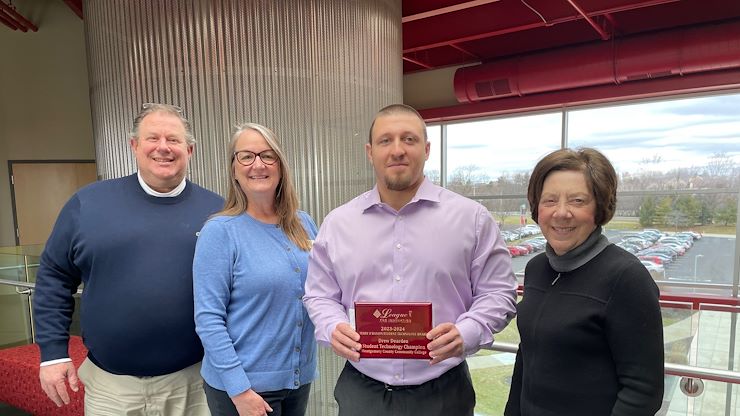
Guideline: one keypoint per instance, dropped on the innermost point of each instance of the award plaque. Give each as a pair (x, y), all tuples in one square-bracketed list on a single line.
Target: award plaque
[(393, 330)]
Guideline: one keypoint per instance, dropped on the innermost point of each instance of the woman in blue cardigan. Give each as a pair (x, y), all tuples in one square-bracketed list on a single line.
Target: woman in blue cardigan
[(249, 271)]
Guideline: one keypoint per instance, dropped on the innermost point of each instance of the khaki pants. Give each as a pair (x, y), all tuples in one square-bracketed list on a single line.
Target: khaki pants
[(177, 394)]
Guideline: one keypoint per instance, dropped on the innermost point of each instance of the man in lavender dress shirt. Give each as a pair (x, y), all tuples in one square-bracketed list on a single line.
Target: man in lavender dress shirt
[(408, 240)]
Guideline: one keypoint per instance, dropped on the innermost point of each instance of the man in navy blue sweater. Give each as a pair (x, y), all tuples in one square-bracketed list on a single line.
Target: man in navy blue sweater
[(130, 241)]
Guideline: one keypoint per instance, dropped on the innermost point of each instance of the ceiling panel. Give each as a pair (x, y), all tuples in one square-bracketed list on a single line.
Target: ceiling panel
[(461, 32)]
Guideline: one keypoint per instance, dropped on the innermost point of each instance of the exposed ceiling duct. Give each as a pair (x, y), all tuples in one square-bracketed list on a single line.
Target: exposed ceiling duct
[(662, 54)]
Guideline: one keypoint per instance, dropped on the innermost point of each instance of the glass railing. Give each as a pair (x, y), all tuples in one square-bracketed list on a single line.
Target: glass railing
[(18, 270), (18, 266), (702, 351), (702, 359)]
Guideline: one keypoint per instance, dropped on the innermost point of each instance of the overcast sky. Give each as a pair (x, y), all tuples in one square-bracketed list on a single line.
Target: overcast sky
[(682, 133)]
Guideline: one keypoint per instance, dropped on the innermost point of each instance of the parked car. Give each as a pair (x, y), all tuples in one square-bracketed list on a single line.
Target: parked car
[(629, 247), (666, 253), (530, 248), (653, 233), (653, 268), (537, 242), (653, 259), (679, 249), (638, 241), (523, 249), (514, 251), (693, 234), (686, 243)]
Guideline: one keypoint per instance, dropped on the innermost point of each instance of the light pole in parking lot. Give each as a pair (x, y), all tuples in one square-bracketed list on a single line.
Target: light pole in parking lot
[(696, 263)]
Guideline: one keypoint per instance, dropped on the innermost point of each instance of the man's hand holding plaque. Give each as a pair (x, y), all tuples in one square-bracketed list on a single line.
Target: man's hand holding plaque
[(393, 330), (345, 342), (446, 342)]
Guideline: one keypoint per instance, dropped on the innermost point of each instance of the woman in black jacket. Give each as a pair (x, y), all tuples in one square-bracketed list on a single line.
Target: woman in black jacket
[(589, 320)]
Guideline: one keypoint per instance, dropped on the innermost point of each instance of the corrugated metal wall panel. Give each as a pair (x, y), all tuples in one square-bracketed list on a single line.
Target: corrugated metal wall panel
[(315, 71)]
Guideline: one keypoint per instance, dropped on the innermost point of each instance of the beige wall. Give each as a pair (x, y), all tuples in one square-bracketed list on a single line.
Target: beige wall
[(44, 103)]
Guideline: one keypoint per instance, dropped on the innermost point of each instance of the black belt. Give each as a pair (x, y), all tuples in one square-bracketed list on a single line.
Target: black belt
[(391, 387)]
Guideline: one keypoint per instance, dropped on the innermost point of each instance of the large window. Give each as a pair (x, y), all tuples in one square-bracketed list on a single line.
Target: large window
[(495, 156), (679, 168), (678, 163), (433, 166)]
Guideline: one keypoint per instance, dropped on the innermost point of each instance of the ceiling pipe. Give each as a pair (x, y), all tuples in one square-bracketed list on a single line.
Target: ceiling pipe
[(656, 55), (465, 51), (22, 21), (445, 10), (417, 62), (699, 83), (10, 22), (597, 28), (76, 6)]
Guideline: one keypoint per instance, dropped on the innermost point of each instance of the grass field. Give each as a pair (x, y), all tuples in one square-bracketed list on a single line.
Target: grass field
[(491, 389), (492, 384)]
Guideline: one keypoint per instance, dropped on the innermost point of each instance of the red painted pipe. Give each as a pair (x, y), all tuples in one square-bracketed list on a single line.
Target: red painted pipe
[(76, 6), (22, 21), (665, 54), (10, 22)]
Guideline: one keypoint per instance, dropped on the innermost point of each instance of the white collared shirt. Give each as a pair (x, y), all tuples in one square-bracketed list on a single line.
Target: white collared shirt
[(148, 189)]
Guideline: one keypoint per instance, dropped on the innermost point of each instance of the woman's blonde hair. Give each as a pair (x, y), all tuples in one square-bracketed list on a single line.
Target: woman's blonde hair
[(286, 199)]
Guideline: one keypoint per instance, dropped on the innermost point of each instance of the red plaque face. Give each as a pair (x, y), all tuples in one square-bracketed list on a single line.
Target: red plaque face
[(393, 330)]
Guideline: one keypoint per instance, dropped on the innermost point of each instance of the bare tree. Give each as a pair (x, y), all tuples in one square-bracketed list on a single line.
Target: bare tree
[(465, 179), (720, 165), (433, 175), (654, 160)]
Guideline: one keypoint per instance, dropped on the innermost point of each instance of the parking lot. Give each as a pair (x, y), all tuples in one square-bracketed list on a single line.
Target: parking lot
[(709, 260)]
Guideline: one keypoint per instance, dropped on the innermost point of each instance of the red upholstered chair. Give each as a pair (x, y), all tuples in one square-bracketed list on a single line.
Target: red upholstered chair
[(19, 381)]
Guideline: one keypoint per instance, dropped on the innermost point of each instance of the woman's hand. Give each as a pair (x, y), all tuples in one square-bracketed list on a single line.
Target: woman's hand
[(250, 403)]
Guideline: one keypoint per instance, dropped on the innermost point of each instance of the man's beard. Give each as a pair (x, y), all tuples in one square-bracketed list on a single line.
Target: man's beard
[(400, 183)]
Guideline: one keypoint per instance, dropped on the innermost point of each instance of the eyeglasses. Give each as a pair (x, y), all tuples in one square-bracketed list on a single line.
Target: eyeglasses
[(173, 107), (246, 158)]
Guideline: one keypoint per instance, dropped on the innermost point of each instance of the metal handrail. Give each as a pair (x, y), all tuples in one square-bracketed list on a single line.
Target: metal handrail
[(25, 285), (675, 283), (19, 266), (693, 285), (681, 370), (16, 283)]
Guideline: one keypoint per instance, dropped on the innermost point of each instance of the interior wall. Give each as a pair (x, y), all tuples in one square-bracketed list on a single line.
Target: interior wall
[(44, 104)]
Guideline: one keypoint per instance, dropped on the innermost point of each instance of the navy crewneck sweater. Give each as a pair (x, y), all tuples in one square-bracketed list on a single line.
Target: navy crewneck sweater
[(134, 253)]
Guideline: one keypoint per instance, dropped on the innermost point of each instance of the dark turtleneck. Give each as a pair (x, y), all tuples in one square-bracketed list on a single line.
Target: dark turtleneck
[(577, 257)]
